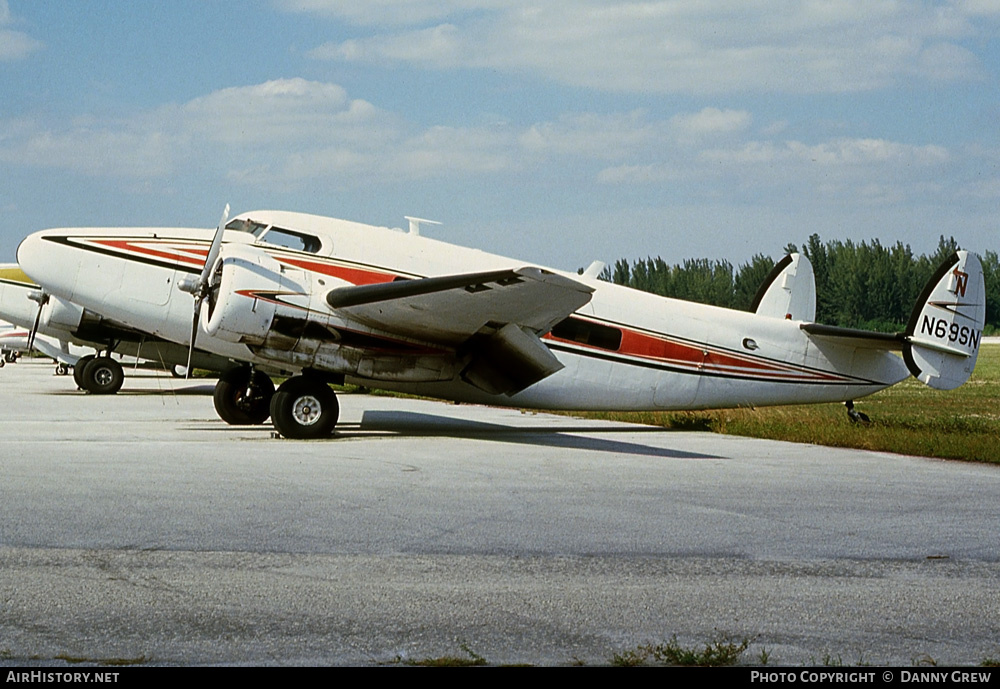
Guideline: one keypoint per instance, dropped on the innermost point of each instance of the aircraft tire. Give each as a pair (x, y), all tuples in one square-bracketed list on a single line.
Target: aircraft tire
[(304, 409), (103, 376), (243, 397), (78, 368), (61, 369)]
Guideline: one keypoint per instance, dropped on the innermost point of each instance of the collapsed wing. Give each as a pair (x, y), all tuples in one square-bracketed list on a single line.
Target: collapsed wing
[(493, 318)]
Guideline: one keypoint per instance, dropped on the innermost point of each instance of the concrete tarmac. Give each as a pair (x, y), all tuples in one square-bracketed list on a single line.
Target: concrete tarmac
[(139, 527)]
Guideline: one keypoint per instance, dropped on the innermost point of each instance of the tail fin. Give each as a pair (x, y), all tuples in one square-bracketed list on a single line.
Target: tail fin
[(945, 329), (789, 292)]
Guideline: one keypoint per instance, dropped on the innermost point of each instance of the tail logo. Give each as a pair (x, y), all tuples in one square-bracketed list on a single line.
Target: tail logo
[(961, 282)]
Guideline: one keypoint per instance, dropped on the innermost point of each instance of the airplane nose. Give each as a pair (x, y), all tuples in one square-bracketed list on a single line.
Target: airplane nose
[(44, 261)]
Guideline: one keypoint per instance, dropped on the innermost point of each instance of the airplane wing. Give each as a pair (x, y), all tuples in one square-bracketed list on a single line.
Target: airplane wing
[(450, 309), (493, 319)]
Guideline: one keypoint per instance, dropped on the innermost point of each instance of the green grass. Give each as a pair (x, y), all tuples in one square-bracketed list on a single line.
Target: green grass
[(908, 418), (716, 654)]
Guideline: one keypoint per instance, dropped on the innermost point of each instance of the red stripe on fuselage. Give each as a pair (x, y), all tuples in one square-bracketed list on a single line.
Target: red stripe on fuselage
[(194, 252), (697, 358), (356, 276), (179, 253)]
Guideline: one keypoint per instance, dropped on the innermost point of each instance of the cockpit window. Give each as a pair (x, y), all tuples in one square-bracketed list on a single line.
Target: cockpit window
[(247, 225), (290, 240)]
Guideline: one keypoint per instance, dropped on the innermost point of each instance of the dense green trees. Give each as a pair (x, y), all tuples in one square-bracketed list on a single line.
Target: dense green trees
[(864, 285)]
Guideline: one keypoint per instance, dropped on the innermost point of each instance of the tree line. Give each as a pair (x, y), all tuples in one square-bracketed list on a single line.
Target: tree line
[(864, 285)]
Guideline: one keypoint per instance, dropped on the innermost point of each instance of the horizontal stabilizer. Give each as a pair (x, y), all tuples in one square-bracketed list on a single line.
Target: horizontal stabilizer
[(789, 292), (866, 339), (946, 327)]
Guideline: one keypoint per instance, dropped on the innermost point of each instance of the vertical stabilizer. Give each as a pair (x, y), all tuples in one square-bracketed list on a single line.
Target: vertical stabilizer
[(946, 327), (789, 292)]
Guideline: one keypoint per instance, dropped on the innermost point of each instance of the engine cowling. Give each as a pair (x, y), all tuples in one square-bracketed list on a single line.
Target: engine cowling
[(245, 285), (61, 314)]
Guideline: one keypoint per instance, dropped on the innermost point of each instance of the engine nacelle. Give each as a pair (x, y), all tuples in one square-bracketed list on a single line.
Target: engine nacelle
[(246, 283), (61, 314)]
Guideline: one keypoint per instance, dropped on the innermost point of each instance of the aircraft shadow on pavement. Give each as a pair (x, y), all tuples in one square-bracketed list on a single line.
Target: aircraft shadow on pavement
[(202, 390), (412, 424)]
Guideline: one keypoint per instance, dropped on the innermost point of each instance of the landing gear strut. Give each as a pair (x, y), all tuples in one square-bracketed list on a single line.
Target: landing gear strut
[(243, 396), (304, 408), (856, 416)]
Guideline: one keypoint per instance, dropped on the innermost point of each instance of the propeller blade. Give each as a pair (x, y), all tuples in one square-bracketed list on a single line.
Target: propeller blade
[(200, 289), (213, 252), (194, 333), (42, 300)]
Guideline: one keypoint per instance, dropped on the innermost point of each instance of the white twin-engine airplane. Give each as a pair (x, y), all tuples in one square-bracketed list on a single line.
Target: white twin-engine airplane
[(334, 301)]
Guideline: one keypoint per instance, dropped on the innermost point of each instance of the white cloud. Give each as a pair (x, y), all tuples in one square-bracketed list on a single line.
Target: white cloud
[(14, 45), (652, 173), (978, 7), (710, 122), (277, 111), (100, 151), (265, 121), (832, 153), (672, 45), (389, 12), (286, 133), (591, 135), (439, 46), (278, 131)]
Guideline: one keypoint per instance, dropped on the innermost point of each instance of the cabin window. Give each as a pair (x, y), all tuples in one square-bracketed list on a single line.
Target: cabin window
[(291, 240), (588, 333), (247, 225)]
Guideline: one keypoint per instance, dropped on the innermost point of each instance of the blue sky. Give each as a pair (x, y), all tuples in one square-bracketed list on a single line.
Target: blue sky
[(557, 131)]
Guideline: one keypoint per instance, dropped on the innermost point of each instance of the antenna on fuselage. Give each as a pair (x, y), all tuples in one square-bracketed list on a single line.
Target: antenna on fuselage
[(415, 223)]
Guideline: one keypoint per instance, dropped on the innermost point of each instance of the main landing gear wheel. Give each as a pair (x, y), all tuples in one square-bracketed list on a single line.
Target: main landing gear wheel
[(103, 376), (78, 368), (304, 408), (243, 396)]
